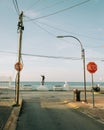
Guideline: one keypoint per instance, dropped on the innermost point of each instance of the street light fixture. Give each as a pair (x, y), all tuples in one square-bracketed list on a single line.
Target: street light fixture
[(83, 57)]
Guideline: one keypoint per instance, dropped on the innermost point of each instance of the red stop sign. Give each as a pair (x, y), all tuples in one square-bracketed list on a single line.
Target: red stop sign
[(92, 67), (18, 66)]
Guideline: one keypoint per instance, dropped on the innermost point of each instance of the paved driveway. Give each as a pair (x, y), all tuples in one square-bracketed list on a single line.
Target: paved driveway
[(48, 112)]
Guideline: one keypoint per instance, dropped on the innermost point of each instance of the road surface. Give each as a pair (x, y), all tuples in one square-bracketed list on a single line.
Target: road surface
[(47, 111)]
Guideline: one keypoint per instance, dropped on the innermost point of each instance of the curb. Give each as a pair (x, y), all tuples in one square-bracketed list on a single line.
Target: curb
[(12, 120)]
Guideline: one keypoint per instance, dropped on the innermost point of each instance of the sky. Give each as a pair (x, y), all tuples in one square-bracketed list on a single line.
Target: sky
[(43, 21)]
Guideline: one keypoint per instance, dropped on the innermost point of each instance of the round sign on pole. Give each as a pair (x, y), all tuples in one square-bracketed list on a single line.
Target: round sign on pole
[(92, 67), (18, 66)]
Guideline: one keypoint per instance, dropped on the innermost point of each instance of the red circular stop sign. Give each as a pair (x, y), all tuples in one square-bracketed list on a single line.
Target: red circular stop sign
[(18, 66), (92, 67)]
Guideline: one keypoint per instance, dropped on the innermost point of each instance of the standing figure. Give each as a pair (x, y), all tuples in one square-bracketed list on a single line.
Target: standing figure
[(43, 79)]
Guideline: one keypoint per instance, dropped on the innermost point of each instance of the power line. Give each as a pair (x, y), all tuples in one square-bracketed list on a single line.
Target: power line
[(44, 29), (44, 56), (63, 30), (60, 11), (15, 3), (52, 34), (41, 27), (34, 4), (54, 57), (56, 28), (51, 5)]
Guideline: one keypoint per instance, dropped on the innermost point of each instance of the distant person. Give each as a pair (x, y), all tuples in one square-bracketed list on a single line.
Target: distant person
[(43, 79)]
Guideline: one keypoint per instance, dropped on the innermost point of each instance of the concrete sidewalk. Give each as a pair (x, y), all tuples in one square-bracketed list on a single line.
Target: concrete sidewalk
[(5, 111), (95, 110), (8, 114)]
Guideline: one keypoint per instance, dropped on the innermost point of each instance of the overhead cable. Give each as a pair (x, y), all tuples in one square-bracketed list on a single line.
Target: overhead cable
[(63, 30), (44, 56), (15, 3), (52, 5), (55, 57), (34, 4), (59, 11), (44, 29)]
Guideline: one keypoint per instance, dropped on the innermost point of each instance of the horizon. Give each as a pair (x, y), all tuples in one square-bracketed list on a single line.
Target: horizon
[(42, 52)]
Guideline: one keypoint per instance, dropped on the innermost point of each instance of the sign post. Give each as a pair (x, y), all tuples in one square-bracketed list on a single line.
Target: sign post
[(92, 68)]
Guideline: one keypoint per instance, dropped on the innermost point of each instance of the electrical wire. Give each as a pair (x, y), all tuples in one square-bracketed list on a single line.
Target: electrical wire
[(56, 28), (51, 5), (52, 34), (59, 11), (15, 3), (54, 57), (44, 29), (34, 4), (44, 56), (62, 30)]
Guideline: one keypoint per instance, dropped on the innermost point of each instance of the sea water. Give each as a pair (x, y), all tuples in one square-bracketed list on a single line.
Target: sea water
[(49, 85)]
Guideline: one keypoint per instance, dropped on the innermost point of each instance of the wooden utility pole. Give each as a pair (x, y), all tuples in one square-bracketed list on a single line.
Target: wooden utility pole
[(20, 30)]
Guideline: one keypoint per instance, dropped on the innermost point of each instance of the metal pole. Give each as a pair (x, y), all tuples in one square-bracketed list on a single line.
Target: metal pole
[(20, 29), (84, 70), (83, 57), (93, 91)]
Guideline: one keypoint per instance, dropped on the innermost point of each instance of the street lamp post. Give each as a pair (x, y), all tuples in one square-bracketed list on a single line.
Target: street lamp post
[(83, 57)]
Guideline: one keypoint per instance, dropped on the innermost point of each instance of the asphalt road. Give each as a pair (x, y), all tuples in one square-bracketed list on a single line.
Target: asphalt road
[(46, 111)]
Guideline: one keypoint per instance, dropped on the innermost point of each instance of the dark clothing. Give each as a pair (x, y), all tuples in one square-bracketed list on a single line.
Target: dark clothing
[(43, 78)]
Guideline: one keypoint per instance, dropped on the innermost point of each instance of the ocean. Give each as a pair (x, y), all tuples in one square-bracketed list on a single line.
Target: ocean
[(49, 85)]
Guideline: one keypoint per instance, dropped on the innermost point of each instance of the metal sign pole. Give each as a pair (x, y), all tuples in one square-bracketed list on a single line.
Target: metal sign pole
[(92, 68), (93, 91)]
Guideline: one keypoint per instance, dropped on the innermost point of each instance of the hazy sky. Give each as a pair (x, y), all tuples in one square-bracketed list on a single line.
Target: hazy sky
[(44, 20)]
